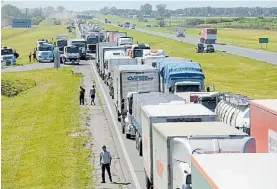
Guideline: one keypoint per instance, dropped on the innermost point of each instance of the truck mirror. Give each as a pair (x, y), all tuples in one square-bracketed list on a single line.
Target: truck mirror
[(188, 179)]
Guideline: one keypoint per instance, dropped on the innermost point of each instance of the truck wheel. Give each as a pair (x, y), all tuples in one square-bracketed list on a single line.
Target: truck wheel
[(112, 96), (122, 127), (147, 182), (140, 146), (128, 136)]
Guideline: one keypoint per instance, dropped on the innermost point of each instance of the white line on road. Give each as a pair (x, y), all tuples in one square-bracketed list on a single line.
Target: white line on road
[(131, 168)]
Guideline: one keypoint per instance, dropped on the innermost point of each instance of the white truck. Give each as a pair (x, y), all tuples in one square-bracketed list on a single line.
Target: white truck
[(240, 171), (174, 143), (151, 60), (61, 42), (112, 62), (104, 51), (107, 56), (180, 32), (132, 78), (81, 44), (99, 46), (131, 125), (121, 41), (166, 113), (71, 55)]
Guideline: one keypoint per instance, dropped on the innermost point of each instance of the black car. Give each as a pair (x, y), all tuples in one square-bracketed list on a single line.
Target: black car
[(209, 48)]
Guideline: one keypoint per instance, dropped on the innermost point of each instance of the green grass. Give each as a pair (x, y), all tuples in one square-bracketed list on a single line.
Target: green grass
[(228, 72), (24, 40), (37, 150), (240, 37)]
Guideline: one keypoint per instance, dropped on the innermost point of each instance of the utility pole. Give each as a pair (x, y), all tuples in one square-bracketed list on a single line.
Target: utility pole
[(26, 13)]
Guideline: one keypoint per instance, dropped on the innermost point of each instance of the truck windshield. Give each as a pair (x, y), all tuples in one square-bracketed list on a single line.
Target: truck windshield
[(126, 42), (138, 53), (6, 51), (61, 43), (72, 50), (92, 40), (79, 44), (45, 48), (187, 88), (91, 47)]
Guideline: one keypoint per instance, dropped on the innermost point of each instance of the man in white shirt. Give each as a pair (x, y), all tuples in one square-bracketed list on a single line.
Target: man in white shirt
[(92, 95), (105, 162)]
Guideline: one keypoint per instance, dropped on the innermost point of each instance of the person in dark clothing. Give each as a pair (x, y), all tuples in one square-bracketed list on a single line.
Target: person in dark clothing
[(82, 95), (30, 57), (35, 55)]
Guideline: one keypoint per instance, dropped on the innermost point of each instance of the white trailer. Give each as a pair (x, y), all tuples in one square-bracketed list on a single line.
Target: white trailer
[(239, 171), (167, 113), (111, 63), (104, 50), (131, 125), (174, 143), (99, 53), (133, 78)]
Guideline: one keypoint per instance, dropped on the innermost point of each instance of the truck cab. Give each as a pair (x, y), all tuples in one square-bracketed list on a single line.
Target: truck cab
[(7, 56), (45, 52), (180, 32), (121, 41), (71, 55), (137, 50), (81, 44)]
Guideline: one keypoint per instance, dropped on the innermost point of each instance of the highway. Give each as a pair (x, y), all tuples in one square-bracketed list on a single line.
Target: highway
[(261, 55), (133, 163)]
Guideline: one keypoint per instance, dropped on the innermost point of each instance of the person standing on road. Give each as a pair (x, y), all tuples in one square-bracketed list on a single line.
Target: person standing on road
[(82, 95), (92, 95), (30, 57), (105, 162), (35, 55)]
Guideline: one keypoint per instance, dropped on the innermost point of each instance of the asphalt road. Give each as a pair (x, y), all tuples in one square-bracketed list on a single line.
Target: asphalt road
[(29, 67), (133, 165), (261, 55)]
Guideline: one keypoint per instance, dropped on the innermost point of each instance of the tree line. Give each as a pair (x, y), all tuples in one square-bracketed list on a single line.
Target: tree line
[(9, 12), (161, 10)]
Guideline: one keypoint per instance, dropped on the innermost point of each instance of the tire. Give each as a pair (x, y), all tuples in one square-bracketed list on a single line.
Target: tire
[(128, 136), (140, 146), (147, 182)]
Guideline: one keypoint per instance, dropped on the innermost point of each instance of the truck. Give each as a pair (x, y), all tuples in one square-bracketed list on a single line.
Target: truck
[(137, 50), (91, 41), (162, 113), (208, 35), (180, 32), (131, 125), (108, 34), (150, 60), (99, 53), (263, 124), (234, 171), (81, 44), (111, 63), (108, 55), (71, 55), (103, 57), (127, 24), (113, 36), (168, 163), (61, 42), (182, 77), (160, 64), (233, 109), (45, 52), (121, 41), (7, 56), (132, 78)]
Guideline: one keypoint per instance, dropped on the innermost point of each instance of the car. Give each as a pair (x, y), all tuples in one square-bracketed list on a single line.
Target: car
[(208, 48)]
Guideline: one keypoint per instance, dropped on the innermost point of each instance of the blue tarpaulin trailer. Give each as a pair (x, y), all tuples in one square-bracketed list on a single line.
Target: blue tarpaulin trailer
[(187, 76)]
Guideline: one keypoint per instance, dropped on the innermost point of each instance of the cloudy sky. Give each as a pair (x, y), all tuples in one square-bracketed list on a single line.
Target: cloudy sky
[(96, 5)]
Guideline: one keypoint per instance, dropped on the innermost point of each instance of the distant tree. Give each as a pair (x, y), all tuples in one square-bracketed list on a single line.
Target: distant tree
[(146, 9), (161, 8), (10, 11), (37, 12), (60, 8), (113, 11), (47, 11)]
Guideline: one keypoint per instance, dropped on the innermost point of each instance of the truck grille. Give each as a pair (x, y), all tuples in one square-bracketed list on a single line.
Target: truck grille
[(72, 59)]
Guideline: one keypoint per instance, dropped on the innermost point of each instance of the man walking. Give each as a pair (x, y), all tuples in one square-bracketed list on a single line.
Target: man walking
[(105, 162), (82, 95), (92, 95), (35, 55)]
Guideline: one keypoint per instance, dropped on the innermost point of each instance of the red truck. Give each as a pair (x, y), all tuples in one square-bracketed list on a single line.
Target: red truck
[(208, 35), (263, 124)]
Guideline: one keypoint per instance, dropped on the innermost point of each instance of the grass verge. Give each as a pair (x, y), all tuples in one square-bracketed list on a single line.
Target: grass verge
[(228, 72), (39, 147), (24, 40), (240, 37)]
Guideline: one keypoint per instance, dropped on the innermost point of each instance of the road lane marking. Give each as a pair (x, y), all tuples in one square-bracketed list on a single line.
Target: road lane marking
[(128, 160)]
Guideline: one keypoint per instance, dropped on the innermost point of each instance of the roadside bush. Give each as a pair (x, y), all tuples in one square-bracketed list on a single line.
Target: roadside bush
[(57, 22), (161, 23), (159, 18), (13, 87), (36, 20)]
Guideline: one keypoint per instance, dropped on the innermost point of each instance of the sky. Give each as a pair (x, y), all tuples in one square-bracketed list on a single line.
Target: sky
[(130, 4)]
